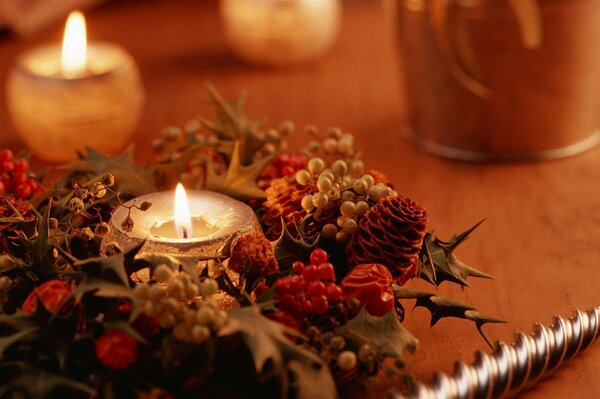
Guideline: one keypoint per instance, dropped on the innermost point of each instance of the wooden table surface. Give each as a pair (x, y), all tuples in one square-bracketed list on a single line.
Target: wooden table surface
[(543, 220)]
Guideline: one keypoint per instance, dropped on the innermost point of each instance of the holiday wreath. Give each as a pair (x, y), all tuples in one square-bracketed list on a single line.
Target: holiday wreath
[(316, 299)]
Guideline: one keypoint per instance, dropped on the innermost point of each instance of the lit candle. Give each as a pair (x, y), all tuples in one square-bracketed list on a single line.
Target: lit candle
[(199, 225), (64, 99)]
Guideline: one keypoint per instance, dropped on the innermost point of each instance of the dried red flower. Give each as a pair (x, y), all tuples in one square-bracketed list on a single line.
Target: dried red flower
[(253, 253), (54, 294), (116, 349), (371, 284)]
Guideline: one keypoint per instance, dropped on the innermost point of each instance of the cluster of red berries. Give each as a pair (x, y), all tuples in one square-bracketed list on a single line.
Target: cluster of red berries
[(312, 290), (284, 164), (14, 178)]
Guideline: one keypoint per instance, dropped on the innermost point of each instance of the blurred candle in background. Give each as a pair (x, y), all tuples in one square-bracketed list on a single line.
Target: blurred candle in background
[(280, 32), (64, 99)]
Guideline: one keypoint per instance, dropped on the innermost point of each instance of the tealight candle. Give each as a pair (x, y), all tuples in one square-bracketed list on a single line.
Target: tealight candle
[(63, 100), (280, 32), (195, 224)]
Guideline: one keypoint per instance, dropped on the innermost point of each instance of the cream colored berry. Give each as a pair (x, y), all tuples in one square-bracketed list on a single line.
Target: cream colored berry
[(348, 209), (141, 291), (361, 208), (209, 287), (200, 333), (205, 315), (316, 165), (348, 195), (320, 200), (347, 360), (163, 273), (324, 184), (350, 226), (335, 132), (329, 145), (342, 237), (166, 320), (303, 177), (192, 291), (369, 180), (357, 167), (176, 288), (344, 146), (329, 230), (307, 202), (339, 168), (360, 186)]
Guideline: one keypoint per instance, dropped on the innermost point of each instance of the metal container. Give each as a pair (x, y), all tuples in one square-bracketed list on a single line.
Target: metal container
[(489, 80)]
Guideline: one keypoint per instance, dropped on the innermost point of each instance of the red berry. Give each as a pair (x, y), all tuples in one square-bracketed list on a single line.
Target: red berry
[(2, 188), (7, 166), (282, 286), (307, 306), (326, 271), (23, 190), (319, 304), (297, 284), (260, 289), (333, 292), (291, 305), (310, 273), (298, 267), (6, 155), (19, 177), (21, 165), (288, 170), (316, 288), (318, 256)]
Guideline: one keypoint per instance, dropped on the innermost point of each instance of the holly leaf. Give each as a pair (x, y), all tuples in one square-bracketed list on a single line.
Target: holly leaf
[(288, 249), (233, 125), (386, 332), (129, 177), (441, 307), (437, 262), (239, 181), (268, 343), (106, 273), (167, 173), (38, 249), (38, 383)]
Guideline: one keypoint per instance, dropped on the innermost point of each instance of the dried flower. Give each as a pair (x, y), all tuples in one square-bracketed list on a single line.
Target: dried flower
[(371, 285), (253, 253), (54, 294), (116, 349), (127, 224)]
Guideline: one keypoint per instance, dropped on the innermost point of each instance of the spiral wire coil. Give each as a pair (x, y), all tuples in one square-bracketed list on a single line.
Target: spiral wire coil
[(512, 368)]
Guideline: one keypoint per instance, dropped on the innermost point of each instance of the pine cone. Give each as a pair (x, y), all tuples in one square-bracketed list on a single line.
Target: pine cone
[(253, 253), (390, 233), (284, 199)]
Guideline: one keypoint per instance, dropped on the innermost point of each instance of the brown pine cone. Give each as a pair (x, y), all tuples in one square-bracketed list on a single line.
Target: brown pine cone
[(253, 253), (390, 233), (284, 199)]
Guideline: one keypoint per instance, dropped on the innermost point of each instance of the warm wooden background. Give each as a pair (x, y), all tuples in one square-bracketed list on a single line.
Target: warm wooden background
[(543, 219)]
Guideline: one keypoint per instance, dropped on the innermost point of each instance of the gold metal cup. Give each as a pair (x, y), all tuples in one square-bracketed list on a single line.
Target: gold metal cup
[(489, 80)]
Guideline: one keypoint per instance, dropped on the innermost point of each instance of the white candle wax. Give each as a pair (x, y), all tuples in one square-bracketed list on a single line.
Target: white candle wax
[(216, 219), (59, 110)]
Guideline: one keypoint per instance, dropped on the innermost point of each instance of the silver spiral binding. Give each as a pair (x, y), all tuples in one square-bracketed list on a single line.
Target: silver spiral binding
[(512, 368)]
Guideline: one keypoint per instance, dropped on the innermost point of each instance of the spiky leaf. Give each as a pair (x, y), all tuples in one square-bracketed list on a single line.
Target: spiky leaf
[(239, 181), (130, 178), (437, 262), (385, 332), (38, 383), (288, 249), (268, 343), (441, 307)]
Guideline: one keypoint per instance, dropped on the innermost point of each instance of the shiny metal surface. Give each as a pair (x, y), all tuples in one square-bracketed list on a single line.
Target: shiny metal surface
[(512, 368)]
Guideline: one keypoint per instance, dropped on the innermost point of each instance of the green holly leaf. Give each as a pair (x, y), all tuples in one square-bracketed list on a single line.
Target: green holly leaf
[(268, 343), (288, 249), (167, 173), (441, 307), (38, 383), (130, 178), (437, 262), (386, 332), (36, 252), (233, 125), (239, 181)]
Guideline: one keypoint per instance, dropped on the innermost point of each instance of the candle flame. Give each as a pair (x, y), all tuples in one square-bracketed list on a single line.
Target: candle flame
[(183, 221), (74, 49)]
